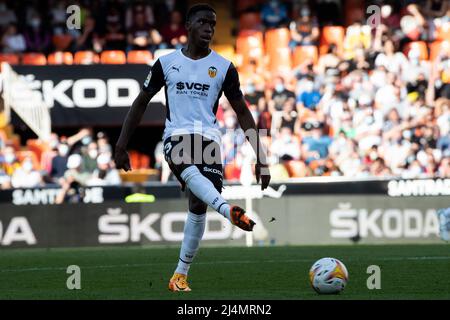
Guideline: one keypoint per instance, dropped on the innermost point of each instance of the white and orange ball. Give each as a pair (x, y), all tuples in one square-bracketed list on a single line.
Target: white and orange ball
[(328, 276)]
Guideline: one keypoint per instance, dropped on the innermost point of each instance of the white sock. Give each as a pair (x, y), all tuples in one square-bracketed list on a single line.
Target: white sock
[(194, 228), (205, 190)]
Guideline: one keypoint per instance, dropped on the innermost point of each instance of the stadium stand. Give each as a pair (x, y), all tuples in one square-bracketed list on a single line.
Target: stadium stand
[(86, 57), (113, 57), (11, 58), (361, 101), (59, 57), (35, 58), (139, 56)]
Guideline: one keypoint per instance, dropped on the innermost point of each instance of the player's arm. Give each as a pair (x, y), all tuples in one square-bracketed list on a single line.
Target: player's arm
[(234, 95), (152, 85)]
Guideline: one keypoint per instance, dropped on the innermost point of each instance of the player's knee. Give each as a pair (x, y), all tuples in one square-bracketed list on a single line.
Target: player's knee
[(189, 173)]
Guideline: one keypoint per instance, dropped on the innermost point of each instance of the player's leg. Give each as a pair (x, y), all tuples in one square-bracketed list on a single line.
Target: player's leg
[(206, 182), (194, 228), (204, 189), (205, 185)]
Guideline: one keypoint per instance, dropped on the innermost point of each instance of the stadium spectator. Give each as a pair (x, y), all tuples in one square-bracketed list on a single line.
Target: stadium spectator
[(285, 146), (391, 59), (288, 116), (328, 63), (59, 163), (304, 29), (139, 7), (74, 179), (58, 17), (142, 36), (12, 40), (89, 156), (432, 10), (26, 176), (115, 36), (89, 38), (274, 14), (315, 142), (9, 160), (174, 33), (7, 16), (280, 95), (375, 108), (357, 36), (310, 97), (37, 36), (104, 174), (390, 17), (163, 9), (104, 147), (253, 95), (413, 24)]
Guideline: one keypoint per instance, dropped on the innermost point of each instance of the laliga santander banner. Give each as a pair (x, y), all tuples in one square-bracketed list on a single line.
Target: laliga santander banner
[(91, 95)]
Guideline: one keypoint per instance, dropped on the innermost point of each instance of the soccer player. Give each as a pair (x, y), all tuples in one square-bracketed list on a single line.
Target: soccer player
[(194, 78)]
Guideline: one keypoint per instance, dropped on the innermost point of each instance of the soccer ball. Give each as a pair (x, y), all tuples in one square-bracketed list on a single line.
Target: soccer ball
[(328, 276)]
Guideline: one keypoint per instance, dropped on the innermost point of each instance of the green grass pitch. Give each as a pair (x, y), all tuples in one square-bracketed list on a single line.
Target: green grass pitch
[(407, 272)]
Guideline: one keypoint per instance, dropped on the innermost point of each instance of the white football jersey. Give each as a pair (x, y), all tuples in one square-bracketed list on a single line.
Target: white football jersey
[(192, 90)]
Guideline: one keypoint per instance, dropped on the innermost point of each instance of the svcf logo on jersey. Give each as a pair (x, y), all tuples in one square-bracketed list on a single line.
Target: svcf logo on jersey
[(212, 71)]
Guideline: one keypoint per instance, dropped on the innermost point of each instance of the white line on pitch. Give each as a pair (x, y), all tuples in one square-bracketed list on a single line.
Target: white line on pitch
[(136, 265)]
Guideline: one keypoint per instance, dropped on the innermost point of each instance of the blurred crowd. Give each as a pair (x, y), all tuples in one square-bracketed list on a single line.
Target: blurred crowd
[(30, 26), (70, 163), (366, 108), (369, 106)]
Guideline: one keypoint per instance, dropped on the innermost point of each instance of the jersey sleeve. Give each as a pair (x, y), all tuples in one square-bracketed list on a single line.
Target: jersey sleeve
[(231, 85), (155, 79)]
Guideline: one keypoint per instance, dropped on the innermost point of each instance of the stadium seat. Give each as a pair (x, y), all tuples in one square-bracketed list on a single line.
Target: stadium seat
[(36, 59), (244, 5), (249, 45), (443, 32), (437, 47), (277, 38), (250, 21), (296, 169), (11, 58), (304, 53), (144, 161), (139, 160), (37, 146), (21, 155), (421, 46), (332, 35), (113, 57), (139, 56), (277, 49), (86, 57), (60, 58), (280, 60), (62, 42)]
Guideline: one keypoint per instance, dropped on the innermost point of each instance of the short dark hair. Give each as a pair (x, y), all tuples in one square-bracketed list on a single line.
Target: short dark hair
[(198, 7)]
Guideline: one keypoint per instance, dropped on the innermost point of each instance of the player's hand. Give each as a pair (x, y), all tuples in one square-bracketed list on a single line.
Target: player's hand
[(121, 159), (262, 173)]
